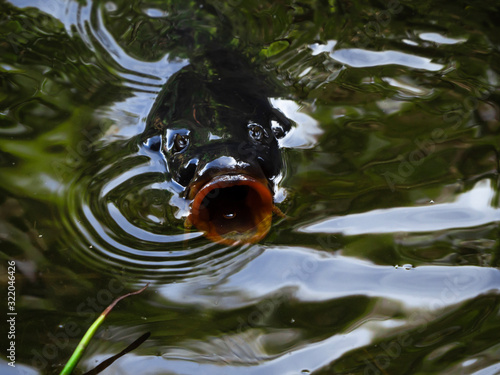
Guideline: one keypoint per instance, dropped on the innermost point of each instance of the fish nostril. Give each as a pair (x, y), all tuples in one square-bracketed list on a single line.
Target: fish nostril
[(153, 143)]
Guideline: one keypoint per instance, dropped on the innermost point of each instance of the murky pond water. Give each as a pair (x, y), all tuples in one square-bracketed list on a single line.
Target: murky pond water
[(387, 259)]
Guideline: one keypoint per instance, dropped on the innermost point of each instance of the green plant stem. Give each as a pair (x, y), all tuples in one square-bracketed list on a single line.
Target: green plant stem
[(77, 354), (82, 345)]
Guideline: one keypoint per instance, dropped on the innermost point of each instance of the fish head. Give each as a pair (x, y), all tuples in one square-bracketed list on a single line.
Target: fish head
[(222, 148)]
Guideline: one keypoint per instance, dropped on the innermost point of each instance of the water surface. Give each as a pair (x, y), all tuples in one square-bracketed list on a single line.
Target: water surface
[(387, 261)]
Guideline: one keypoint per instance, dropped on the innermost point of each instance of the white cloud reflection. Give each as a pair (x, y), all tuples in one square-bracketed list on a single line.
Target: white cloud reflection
[(440, 39), (360, 58), (472, 208), (307, 130)]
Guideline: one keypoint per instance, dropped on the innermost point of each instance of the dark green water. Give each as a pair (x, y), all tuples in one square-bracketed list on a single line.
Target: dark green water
[(388, 260)]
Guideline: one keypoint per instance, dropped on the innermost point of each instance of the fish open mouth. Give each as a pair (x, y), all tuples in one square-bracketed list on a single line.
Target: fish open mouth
[(233, 209)]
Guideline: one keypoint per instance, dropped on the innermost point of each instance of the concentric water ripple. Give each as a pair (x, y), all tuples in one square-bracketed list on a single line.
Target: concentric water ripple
[(122, 217), (121, 212), (88, 21), (388, 259)]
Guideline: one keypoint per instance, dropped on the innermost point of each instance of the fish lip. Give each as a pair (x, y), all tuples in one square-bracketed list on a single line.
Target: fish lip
[(229, 175), (258, 207)]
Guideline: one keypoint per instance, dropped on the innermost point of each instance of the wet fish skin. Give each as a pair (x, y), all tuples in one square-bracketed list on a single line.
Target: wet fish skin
[(219, 134), (212, 122)]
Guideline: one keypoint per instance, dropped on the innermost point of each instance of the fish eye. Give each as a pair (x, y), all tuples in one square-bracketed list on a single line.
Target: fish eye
[(256, 132), (181, 142)]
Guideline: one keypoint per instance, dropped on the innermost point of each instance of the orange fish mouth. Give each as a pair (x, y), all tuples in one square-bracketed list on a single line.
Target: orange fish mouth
[(232, 209)]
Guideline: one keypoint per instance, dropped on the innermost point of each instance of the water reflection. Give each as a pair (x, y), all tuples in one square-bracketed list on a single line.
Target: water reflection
[(84, 200), (472, 208), (311, 357), (359, 58), (328, 308), (311, 276), (121, 217), (441, 39)]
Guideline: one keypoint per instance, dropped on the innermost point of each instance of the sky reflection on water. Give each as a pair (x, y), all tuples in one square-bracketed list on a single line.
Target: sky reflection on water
[(471, 208)]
